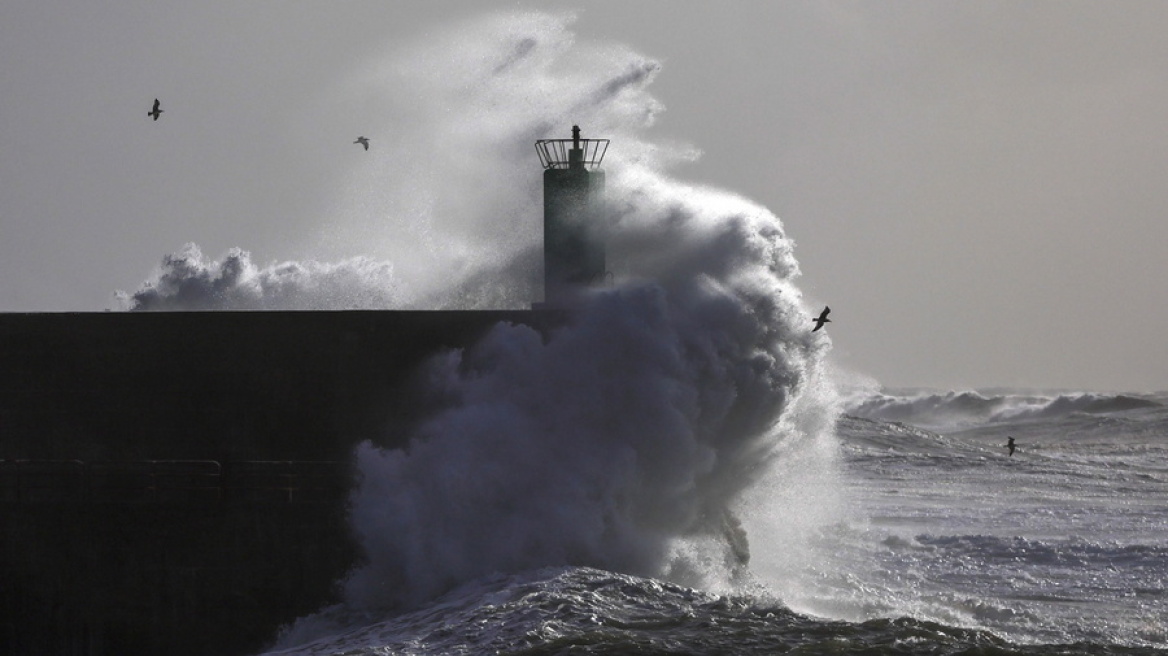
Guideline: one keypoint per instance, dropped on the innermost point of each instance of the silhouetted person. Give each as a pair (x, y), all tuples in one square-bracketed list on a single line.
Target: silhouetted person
[(821, 319), (363, 141), (1010, 444), (157, 111)]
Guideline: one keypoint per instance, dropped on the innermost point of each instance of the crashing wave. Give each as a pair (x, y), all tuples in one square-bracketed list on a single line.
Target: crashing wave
[(659, 432), (955, 410)]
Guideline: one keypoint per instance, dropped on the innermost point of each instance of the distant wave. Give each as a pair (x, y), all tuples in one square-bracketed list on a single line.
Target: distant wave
[(1067, 553), (955, 410)]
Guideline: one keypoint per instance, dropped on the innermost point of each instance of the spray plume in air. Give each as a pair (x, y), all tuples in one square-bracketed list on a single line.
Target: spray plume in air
[(628, 438)]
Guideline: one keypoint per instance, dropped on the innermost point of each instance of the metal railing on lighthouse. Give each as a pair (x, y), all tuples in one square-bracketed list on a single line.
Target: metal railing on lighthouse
[(571, 153)]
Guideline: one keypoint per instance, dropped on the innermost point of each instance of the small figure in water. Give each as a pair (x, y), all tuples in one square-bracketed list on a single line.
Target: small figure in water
[(1010, 444)]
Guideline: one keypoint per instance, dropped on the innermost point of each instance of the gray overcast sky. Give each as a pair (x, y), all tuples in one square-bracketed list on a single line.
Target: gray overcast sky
[(977, 188)]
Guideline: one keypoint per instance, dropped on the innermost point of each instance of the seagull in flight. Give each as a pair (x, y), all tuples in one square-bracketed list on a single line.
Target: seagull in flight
[(821, 319), (363, 141), (157, 111)]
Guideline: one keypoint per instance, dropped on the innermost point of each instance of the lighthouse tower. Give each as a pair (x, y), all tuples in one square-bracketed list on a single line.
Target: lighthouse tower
[(573, 195)]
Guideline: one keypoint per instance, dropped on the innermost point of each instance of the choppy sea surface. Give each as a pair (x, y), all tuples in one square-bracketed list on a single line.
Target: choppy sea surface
[(950, 546)]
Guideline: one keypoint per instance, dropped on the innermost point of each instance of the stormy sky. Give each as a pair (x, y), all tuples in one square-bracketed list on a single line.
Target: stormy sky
[(975, 188)]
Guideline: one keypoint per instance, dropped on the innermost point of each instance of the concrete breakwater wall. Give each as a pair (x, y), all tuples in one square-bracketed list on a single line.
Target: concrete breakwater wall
[(177, 482), (92, 577)]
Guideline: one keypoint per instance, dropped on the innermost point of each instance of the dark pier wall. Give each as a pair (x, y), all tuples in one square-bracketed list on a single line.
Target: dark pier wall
[(177, 482), (213, 385), (113, 579)]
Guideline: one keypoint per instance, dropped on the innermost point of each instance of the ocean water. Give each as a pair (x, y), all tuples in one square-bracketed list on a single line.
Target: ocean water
[(948, 546), (1064, 542)]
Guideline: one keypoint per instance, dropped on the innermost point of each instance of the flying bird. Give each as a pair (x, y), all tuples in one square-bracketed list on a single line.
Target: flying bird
[(157, 111), (821, 319), (363, 141)]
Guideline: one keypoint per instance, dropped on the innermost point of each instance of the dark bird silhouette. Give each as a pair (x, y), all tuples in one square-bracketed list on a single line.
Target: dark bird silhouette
[(363, 141), (157, 111), (821, 319), (1010, 444)]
